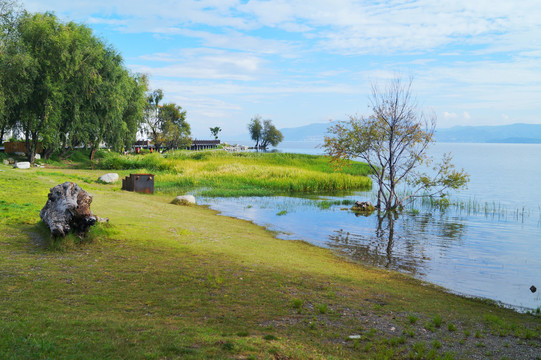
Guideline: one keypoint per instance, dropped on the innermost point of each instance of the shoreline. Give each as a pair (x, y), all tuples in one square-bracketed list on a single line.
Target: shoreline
[(201, 281)]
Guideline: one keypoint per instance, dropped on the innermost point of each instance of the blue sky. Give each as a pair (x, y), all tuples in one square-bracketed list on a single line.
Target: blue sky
[(299, 62)]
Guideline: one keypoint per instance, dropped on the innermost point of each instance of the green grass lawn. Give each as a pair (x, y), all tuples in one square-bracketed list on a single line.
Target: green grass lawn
[(167, 282)]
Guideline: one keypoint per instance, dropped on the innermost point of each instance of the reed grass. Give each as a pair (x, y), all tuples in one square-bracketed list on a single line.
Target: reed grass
[(218, 173), (472, 207)]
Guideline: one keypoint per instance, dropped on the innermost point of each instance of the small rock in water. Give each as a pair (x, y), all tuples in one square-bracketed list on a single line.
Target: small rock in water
[(533, 289), (363, 206)]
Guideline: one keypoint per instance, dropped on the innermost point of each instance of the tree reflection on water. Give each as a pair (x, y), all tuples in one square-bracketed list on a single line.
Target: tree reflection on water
[(404, 242)]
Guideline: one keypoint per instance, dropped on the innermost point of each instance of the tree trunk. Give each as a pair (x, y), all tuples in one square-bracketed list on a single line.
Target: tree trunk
[(47, 153), (63, 146), (380, 194), (31, 145), (68, 208), (92, 153), (27, 144), (64, 152), (2, 134)]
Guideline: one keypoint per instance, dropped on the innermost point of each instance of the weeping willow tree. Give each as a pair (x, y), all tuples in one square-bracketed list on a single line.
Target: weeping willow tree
[(63, 87), (393, 140)]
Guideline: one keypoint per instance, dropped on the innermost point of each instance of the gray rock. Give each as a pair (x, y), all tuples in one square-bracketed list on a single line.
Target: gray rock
[(22, 165), (184, 200), (37, 157), (109, 178), (6, 162)]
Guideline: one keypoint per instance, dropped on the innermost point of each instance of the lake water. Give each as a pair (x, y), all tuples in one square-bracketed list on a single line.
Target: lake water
[(490, 247)]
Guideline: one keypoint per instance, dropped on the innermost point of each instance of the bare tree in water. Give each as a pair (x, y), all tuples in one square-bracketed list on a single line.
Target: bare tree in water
[(393, 140)]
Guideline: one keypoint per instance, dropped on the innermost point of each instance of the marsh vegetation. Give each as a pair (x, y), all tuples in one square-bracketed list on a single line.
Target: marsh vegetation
[(219, 173)]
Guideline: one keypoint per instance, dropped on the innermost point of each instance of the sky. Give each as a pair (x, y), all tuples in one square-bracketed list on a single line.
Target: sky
[(299, 62)]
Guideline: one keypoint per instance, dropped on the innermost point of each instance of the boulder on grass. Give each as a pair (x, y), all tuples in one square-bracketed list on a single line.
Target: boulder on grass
[(109, 178), (68, 208), (22, 165), (184, 200)]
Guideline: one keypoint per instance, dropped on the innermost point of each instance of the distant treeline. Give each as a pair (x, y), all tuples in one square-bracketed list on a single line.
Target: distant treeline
[(63, 87)]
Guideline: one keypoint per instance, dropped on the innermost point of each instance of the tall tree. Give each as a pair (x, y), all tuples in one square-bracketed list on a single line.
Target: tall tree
[(106, 125), (9, 14), (393, 140), (255, 127), (63, 87), (13, 89), (151, 125), (175, 130), (41, 46), (270, 135), (133, 115), (84, 56)]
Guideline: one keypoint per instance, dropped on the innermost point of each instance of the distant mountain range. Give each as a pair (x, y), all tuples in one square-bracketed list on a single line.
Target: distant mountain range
[(515, 133), (311, 132)]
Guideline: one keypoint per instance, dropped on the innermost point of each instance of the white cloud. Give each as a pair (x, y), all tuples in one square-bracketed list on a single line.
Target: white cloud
[(245, 91), (346, 26), (361, 27), (205, 64), (448, 115), (472, 60), (159, 57), (234, 40), (116, 22)]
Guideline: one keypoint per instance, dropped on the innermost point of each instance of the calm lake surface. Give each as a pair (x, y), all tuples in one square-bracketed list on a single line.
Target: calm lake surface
[(489, 247)]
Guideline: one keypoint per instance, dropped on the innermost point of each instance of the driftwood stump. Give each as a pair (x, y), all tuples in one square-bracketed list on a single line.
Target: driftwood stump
[(68, 208)]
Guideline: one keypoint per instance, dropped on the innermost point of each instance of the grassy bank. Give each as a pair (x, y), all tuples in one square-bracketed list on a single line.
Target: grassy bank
[(218, 173), (166, 282)]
